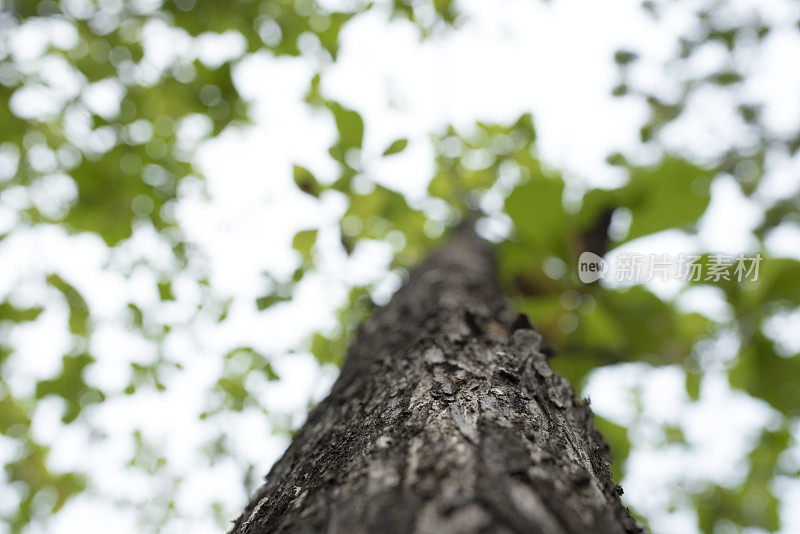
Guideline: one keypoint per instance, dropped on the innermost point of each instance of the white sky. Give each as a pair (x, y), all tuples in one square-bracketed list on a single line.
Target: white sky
[(551, 59)]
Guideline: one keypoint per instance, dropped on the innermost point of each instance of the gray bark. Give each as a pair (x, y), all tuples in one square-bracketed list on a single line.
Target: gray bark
[(446, 419)]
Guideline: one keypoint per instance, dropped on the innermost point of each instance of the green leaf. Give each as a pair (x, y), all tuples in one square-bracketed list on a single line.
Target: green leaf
[(234, 390), (778, 282), (327, 350), (539, 219), (625, 57), (671, 194), (693, 382), (349, 124), (634, 325), (396, 147), (71, 386), (761, 372), (136, 315), (382, 211), (78, 309), (303, 242), (165, 290), (254, 361), (12, 414), (31, 470), (9, 312), (306, 181), (673, 434), (332, 348), (727, 77), (239, 363), (265, 301)]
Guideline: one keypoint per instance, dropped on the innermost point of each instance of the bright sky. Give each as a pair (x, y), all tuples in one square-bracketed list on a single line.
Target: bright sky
[(551, 59)]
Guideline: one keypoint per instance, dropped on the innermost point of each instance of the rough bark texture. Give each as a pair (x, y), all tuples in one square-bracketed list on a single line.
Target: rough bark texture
[(446, 419)]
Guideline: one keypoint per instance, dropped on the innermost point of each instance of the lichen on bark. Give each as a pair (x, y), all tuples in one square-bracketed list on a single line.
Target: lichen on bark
[(446, 418)]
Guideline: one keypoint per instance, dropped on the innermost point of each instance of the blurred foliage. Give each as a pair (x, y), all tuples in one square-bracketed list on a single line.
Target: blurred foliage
[(126, 164)]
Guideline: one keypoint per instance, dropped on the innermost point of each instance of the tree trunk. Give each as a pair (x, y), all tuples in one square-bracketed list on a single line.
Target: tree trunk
[(446, 419)]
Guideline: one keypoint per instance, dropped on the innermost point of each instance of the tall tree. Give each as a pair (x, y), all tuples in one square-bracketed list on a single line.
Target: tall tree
[(446, 418), (106, 108)]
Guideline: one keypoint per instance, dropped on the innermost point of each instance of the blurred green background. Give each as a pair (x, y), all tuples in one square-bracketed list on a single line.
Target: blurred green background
[(114, 114)]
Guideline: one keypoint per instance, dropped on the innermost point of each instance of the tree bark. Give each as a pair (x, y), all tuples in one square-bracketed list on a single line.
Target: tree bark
[(446, 418)]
